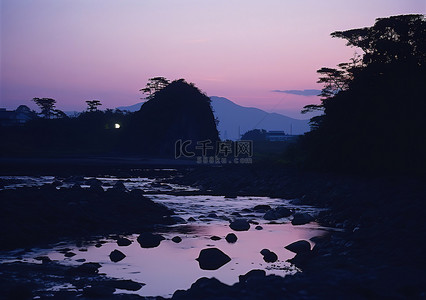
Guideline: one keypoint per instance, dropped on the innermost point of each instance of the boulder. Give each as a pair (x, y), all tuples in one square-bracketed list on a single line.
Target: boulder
[(301, 218), (240, 225), (262, 207), (177, 239), (277, 213), (212, 215), (251, 275), (149, 240), (88, 268), (119, 185), (98, 291), (269, 256), (231, 238), (215, 238), (122, 284), (191, 219), (299, 247), (123, 242), (69, 254), (212, 259), (116, 256), (258, 227)]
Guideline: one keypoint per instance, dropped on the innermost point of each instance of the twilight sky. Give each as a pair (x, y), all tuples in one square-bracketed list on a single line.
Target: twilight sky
[(78, 50)]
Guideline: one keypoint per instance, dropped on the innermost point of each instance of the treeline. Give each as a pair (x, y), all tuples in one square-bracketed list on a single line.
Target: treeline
[(374, 105), (174, 110)]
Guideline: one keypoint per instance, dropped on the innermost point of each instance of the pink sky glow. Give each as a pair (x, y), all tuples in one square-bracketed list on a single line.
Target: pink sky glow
[(78, 50)]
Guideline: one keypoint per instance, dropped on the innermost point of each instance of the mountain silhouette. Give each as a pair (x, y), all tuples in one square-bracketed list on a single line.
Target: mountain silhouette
[(233, 118)]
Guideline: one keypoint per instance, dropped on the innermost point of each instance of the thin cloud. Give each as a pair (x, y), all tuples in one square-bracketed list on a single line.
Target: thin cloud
[(300, 92)]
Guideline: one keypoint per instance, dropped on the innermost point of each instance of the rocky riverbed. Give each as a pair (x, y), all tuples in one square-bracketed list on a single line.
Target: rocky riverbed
[(376, 251)]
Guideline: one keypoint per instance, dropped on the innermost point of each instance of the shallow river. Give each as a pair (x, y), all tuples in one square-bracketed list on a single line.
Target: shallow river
[(172, 266)]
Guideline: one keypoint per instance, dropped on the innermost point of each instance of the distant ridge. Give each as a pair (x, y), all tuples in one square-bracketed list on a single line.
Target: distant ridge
[(235, 119)]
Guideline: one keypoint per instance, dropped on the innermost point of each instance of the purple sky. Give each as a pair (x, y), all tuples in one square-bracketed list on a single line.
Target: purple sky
[(78, 50)]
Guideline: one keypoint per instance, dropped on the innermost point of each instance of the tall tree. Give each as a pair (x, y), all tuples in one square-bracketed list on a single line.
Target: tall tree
[(154, 85), (92, 105), (47, 106)]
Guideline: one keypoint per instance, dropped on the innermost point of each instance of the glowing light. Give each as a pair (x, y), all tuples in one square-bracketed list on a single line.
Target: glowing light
[(116, 125)]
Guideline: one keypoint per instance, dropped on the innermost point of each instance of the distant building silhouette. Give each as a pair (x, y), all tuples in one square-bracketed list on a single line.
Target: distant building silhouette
[(279, 136), (16, 117)]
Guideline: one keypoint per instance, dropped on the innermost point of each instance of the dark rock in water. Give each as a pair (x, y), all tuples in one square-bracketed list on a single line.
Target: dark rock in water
[(149, 240), (191, 219), (116, 256), (231, 196), (301, 219), (205, 288), (261, 207), (57, 183), (119, 185), (92, 182), (299, 247), (177, 239), (96, 189), (269, 256), (128, 285), (43, 259), (80, 260), (237, 214), (277, 213), (212, 259), (123, 242), (69, 254), (177, 220), (212, 215), (98, 291), (231, 238), (240, 225), (98, 245), (251, 275), (215, 238), (88, 268), (258, 227)]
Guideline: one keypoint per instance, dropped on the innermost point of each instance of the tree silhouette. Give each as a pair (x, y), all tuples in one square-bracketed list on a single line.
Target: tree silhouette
[(92, 105), (373, 106), (47, 106), (154, 85)]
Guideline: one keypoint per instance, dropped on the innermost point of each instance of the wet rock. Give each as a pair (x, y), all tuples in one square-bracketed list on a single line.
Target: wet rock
[(177, 220), (98, 291), (93, 182), (128, 285), (212, 259), (215, 238), (98, 245), (43, 259), (191, 219), (301, 219), (69, 254), (231, 238), (88, 268), (80, 260), (212, 215), (299, 247), (57, 183), (237, 214), (277, 213), (149, 240), (177, 239), (116, 256), (240, 225), (253, 274), (258, 227), (119, 186), (262, 207), (123, 242), (269, 256)]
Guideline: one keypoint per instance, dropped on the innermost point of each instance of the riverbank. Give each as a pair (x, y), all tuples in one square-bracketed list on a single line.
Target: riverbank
[(379, 253)]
